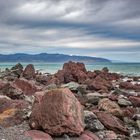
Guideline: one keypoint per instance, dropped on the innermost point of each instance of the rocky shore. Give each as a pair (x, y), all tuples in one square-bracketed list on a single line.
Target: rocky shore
[(72, 104)]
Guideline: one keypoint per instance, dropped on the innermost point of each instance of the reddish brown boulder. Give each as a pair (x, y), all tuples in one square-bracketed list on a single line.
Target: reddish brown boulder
[(58, 113), (99, 84), (2, 84), (53, 80), (129, 85), (43, 79), (9, 90), (38, 135), (12, 112), (72, 71), (60, 75), (112, 122), (129, 112), (135, 101), (7, 103), (25, 86), (110, 106), (87, 135), (91, 75), (29, 72), (74, 66)]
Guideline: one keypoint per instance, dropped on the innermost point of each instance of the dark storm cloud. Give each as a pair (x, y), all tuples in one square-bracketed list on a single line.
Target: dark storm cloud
[(65, 26)]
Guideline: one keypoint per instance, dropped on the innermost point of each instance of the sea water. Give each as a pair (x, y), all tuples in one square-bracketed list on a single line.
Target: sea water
[(131, 69)]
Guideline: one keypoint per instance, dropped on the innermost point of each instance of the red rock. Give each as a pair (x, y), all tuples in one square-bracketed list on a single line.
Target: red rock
[(112, 122), (129, 112), (72, 71), (7, 103), (91, 75), (129, 85), (74, 66), (110, 106), (99, 84), (25, 86), (135, 101), (12, 112), (3, 84), (113, 97), (10, 91), (29, 72), (38, 135), (58, 113), (87, 135), (60, 76), (39, 96), (43, 79), (53, 80)]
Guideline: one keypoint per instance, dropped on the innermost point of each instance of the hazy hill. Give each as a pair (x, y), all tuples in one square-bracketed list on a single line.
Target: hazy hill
[(45, 57)]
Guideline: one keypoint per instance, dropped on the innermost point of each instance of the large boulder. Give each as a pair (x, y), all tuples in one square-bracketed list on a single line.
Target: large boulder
[(135, 101), (72, 71), (3, 84), (12, 112), (130, 86), (92, 123), (29, 71), (110, 106), (99, 84), (17, 69), (7, 88), (112, 122), (58, 112), (28, 88)]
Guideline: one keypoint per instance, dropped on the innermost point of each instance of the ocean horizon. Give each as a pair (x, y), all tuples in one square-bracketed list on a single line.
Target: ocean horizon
[(124, 68)]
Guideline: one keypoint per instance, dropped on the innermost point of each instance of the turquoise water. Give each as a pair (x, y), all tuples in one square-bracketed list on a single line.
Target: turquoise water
[(123, 68)]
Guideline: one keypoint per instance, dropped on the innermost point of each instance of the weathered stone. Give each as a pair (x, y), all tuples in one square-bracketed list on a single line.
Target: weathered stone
[(99, 84), (38, 135), (17, 69), (59, 112), (105, 70), (112, 122), (135, 101), (130, 86), (2, 84), (12, 112), (92, 123), (73, 86), (25, 86), (12, 92), (95, 97), (72, 71), (43, 79), (124, 102), (110, 106), (129, 111), (29, 72)]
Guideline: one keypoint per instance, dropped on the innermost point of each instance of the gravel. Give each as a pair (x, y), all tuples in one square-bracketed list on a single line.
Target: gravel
[(15, 132)]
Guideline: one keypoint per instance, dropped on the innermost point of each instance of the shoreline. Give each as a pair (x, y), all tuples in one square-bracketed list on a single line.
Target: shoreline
[(74, 103), (126, 69)]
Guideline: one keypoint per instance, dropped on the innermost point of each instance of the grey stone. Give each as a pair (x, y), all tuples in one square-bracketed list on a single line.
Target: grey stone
[(92, 123), (124, 102)]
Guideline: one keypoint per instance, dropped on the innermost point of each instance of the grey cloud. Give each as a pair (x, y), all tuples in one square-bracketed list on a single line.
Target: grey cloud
[(91, 25)]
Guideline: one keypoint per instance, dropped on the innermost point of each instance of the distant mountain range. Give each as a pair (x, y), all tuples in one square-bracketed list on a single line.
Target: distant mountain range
[(45, 57)]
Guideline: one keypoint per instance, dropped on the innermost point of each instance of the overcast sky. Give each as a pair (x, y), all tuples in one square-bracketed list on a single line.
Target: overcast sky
[(102, 28)]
